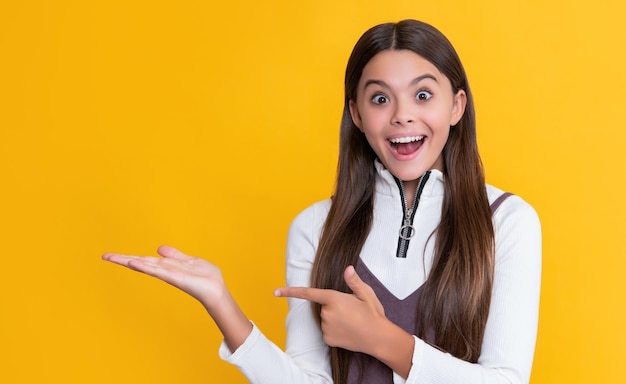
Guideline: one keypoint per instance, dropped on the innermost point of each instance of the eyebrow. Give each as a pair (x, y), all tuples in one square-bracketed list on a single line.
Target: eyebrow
[(414, 82)]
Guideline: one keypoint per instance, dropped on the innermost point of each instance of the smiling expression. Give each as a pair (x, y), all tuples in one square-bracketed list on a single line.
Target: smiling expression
[(405, 107)]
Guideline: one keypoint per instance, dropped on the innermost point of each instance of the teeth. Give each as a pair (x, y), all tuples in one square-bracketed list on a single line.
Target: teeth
[(406, 139)]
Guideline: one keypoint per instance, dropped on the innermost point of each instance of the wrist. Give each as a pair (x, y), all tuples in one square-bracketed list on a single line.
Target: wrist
[(394, 347), (216, 298), (231, 321)]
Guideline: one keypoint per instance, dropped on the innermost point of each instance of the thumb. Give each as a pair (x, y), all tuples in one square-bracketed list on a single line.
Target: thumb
[(172, 253), (358, 287)]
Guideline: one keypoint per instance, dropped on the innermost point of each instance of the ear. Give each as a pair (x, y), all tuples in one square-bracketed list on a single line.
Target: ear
[(356, 116), (458, 107)]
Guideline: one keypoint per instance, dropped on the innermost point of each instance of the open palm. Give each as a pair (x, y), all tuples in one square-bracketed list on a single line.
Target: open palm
[(196, 276)]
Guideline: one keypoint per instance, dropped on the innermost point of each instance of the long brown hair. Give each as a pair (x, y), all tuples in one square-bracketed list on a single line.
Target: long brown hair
[(457, 292)]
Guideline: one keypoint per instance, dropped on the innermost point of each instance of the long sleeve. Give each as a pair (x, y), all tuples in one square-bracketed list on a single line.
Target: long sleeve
[(510, 334), (306, 358)]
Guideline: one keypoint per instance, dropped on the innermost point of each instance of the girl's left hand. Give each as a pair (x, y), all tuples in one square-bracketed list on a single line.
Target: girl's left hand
[(349, 320)]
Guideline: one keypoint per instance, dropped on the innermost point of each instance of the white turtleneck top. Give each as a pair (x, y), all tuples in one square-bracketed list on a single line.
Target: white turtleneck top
[(510, 333)]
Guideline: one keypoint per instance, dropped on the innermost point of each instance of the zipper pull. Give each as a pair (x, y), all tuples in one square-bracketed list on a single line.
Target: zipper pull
[(407, 231)]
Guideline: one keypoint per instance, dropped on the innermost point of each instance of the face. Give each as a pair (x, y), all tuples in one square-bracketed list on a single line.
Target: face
[(405, 108)]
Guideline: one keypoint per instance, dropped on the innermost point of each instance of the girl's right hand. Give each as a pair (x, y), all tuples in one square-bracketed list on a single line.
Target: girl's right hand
[(200, 279), (193, 275)]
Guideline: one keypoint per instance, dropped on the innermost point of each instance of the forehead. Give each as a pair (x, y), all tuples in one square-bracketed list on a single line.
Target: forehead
[(398, 66)]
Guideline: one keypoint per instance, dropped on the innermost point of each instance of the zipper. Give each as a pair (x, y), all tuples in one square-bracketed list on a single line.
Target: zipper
[(407, 230)]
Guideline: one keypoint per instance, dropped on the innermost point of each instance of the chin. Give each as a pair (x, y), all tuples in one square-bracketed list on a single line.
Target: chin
[(410, 176)]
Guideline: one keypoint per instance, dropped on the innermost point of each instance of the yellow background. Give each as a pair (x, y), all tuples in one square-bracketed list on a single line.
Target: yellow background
[(209, 126)]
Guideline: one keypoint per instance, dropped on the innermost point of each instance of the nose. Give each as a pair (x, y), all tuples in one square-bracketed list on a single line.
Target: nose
[(404, 113)]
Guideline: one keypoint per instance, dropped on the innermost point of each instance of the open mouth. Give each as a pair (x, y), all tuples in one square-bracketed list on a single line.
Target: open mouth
[(406, 145)]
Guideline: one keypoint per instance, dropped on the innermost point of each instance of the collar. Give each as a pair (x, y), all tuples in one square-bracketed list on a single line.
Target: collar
[(386, 184)]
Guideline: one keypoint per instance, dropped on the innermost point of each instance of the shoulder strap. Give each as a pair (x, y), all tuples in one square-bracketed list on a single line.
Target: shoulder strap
[(499, 201)]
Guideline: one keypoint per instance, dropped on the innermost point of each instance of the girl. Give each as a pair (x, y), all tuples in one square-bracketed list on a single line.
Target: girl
[(414, 271)]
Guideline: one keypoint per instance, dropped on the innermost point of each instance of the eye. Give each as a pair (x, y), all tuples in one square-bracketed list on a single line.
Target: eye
[(380, 99), (423, 95)]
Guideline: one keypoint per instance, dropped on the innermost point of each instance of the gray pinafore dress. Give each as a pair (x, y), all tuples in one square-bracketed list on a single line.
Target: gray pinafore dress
[(365, 369)]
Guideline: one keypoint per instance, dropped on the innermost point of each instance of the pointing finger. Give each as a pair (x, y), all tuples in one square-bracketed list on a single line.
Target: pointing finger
[(316, 295)]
